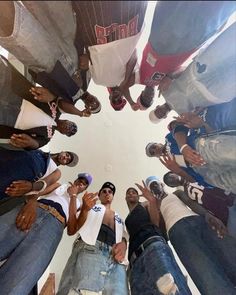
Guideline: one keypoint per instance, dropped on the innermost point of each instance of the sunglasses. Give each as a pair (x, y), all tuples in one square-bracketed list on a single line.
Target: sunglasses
[(107, 191)]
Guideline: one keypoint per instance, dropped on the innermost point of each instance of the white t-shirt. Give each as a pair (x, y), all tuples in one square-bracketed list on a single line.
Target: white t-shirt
[(61, 197), (30, 117), (109, 60), (52, 166), (173, 210)]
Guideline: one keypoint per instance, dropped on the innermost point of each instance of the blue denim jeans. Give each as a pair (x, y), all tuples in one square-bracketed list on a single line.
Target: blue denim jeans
[(219, 153), (231, 225), (154, 264), (209, 260), (181, 33), (68, 273), (95, 270), (28, 253), (209, 79), (10, 103)]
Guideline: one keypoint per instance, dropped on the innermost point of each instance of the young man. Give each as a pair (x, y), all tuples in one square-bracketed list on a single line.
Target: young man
[(153, 269), (209, 79), (96, 261), (209, 260), (30, 234), (215, 200), (22, 130), (66, 158), (56, 65)]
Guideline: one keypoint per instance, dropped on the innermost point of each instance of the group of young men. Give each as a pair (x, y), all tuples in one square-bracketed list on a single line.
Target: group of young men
[(63, 45)]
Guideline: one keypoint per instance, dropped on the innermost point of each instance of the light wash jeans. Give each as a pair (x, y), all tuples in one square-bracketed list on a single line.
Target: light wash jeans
[(34, 45), (155, 270), (219, 153), (209, 79), (94, 270), (28, 253), (209, 260)]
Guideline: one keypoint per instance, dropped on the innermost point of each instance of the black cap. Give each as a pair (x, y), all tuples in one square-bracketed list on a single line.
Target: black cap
[(108, 185)]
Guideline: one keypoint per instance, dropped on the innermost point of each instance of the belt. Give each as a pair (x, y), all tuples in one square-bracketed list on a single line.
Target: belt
[(53, 211), (142, 247)]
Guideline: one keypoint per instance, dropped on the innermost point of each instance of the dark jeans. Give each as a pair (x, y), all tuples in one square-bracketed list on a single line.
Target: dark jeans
[(156, 263), (210, 261)]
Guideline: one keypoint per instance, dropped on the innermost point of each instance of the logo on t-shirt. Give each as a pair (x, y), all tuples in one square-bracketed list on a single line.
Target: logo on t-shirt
[(116, 31)]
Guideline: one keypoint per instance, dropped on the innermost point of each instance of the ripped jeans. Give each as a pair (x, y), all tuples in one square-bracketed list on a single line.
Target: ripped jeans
[(96, 271), (156, 272)]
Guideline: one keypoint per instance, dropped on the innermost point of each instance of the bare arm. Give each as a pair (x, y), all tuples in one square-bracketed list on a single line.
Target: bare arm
[(190, 155), (169, 162), (152, 204), (71, 109), (212, 221), (74, 223)]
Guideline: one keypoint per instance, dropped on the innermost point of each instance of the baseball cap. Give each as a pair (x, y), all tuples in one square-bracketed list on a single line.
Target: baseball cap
[(74, 159), (120, 106), (153, 118), (108, 185), (147, 149), (86, 176), (152, 179)]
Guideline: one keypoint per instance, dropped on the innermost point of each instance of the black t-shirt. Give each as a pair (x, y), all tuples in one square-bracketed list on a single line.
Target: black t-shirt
[(140, 228)]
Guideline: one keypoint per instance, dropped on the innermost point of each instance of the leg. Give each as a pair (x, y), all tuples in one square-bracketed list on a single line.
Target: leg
[(67, 276), (116, 282), (10, 103), (231, 225), (186, 238), (31, 257), (38, 53), (153, 269)]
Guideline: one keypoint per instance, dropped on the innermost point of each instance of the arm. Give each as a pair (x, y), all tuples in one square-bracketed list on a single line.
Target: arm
[(152, 205), (212, 221), (71, 109), (193, 120), (169, 162), (74, 223), (24, 141), (22, 187), (190, 155), (134, 106)]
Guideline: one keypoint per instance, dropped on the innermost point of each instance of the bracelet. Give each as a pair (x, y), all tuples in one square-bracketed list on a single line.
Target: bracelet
[(182, 147), (39, 191), (73, 195)]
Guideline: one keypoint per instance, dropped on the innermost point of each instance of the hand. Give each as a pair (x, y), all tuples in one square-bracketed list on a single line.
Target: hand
[(86, 113), (23, 141), (192, 156), (27, 216), (217, 225), (147, 194), (89, 200), (73, 190), (19, 188), (190, 120), (118, 251), (135, 106), (164, 84), (84, 62), (169, 162), (42, 94)]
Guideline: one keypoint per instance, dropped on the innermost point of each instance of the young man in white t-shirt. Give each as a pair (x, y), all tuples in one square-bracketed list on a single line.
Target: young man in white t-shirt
[(29, 235)]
